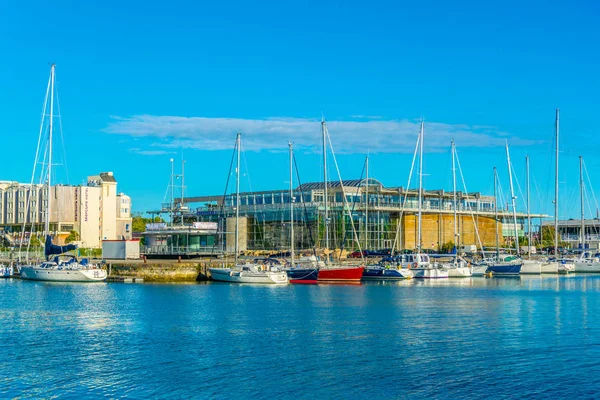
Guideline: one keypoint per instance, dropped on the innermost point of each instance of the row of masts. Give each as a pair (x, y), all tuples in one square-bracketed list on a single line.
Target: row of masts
[(420, 194)]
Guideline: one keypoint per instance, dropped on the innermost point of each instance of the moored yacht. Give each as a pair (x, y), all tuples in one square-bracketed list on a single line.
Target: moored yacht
[(586, 263), (505, 265), (387, 270), (250, 273), (246, 273), (329, 272), (459, 269), (304, 270), (532, 267), (423, 268), (63, 267), (6, 271)]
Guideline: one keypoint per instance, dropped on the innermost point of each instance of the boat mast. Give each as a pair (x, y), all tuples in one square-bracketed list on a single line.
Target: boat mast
[(582, 189), (496, 212), (556, 127), (367, 206), (291, 202), (512, 195), (420, 188), (528, 210), (172, 210), (182, 186), (49, 180), (325, 187), (237, 196), (454, 201)]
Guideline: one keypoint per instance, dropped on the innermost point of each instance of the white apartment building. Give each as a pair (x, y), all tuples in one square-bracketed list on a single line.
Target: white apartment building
[(95, 211)]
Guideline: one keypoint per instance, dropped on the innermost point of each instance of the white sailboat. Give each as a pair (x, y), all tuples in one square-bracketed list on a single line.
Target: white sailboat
[(6, 271), (249, 272), (585, 263), (62, 267), (556, 266), (458, 268), (422, 267), (533, 267)]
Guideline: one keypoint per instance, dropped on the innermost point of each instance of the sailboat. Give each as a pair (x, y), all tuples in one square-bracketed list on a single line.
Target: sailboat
[(305, 269), (556, 266), (329, 272), (505, 264), (533, 267), (385, 270), (458, 268), (585, 263), (62, 267), (422, 267), (249, 272), (6, 271)]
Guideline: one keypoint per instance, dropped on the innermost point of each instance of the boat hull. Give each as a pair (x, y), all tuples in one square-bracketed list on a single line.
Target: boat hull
[(531, 267), (340, 274), (587, 267), (430, 273), (460, 272), (262, 277), (479, 270), (504, 269), (303, 275), (6, 271), (63, 275), (380, 273)]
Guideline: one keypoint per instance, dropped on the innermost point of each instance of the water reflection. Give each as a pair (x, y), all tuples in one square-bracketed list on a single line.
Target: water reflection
[(164, 340)]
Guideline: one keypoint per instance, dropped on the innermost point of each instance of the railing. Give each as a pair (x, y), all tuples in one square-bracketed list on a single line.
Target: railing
[(32, 255), (165, 249), (409, 206), (576, 238)]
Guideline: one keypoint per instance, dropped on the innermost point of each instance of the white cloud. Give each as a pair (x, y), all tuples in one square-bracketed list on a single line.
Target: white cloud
[(150, 152), (383, 136)]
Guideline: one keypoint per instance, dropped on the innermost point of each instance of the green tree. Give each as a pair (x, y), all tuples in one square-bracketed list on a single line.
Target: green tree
[(523, 241), (73, 237), (139, 222), (447, 247), (35, 241)]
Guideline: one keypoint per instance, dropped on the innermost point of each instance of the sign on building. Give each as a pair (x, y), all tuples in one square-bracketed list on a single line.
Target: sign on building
[(155, 226), (207, 226)]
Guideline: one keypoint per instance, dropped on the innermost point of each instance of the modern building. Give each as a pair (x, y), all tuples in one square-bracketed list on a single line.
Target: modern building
[(96, 211), (569, 232), (382, 217)]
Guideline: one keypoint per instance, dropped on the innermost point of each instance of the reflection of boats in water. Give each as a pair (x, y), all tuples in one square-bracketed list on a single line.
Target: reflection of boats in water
[(466, 282)]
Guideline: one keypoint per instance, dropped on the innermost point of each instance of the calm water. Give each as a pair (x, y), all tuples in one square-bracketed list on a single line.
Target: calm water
[(534, 337)]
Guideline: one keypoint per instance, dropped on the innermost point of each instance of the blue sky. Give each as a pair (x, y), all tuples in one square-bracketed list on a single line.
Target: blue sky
[(140, 82)]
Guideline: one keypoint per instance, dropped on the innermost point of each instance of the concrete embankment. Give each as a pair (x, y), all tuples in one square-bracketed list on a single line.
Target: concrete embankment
[(164, 270)]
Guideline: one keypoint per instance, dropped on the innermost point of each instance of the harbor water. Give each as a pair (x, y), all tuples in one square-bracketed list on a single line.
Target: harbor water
[(535, 337)]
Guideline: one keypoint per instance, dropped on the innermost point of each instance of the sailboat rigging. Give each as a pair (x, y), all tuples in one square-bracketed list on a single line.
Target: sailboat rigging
[(63, 267)]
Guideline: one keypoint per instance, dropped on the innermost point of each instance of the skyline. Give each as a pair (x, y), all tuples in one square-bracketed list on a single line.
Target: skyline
[(136, 92)]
